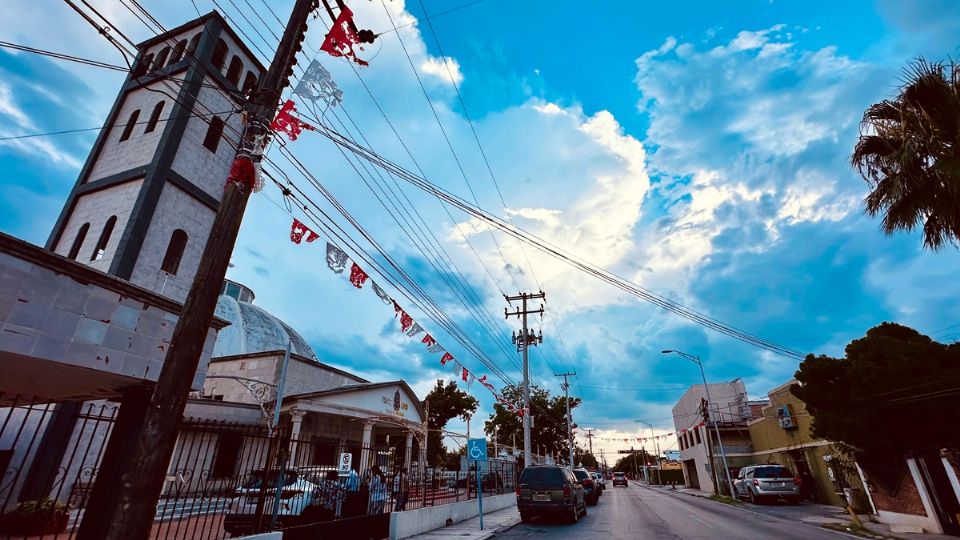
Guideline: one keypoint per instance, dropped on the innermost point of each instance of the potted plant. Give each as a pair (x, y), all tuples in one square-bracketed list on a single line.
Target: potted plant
[(43, 516)]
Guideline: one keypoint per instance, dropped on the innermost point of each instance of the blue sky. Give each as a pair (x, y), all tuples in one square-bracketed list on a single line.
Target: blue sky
[(698, 149)]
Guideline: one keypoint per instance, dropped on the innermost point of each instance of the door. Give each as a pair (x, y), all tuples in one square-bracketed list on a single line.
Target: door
[(942, 496)]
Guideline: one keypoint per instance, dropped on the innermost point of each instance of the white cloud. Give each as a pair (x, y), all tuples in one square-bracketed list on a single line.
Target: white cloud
[(435, 67)]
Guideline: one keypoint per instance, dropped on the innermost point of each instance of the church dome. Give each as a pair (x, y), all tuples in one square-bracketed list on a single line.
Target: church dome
[(252, 329)]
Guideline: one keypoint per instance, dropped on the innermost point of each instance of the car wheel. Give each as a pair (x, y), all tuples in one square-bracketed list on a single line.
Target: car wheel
[(753, 498), (576, 515), (525, 518), (584, 512)]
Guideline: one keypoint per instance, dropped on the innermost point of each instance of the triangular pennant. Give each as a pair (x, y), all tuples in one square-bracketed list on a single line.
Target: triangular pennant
[(415, 329), (381, 294), (285, 122), (445, 358), (297, 230), (406, 321), (317, 84), (357, 276), (342, 37), (336, 258)]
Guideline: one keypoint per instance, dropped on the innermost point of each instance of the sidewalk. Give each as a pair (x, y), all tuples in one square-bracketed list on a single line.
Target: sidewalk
[(469, 529), (814, 514)]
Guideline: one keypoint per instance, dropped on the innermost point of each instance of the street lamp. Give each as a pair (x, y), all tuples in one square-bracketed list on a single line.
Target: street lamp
[(656, 447), (706, 388)]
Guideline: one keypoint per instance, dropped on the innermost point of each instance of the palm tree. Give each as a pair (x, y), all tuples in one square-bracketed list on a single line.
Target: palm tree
[(909, 154)]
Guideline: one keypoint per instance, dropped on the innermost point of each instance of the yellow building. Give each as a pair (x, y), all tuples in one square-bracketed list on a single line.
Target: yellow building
[(783, 436)]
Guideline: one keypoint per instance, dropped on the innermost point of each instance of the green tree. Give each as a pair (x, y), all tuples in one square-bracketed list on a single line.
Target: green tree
[(909, 154), (549, 426), (446, 403), (584, 458), (895, 391), (628, 464)]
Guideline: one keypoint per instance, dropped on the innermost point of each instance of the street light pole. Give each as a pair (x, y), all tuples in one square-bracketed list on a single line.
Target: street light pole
[(716, 429), (656, 448)]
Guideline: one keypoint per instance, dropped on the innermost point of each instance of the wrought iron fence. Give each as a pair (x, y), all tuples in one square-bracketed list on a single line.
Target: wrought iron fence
[(224, 480)]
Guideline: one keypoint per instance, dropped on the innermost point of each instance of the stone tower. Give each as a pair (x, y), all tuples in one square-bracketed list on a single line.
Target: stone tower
[(146, 197)]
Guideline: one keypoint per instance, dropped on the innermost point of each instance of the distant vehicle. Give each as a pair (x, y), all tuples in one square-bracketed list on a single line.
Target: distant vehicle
[(767, 482), (591, 491), (297, 493), (619, 478), (550, 489)]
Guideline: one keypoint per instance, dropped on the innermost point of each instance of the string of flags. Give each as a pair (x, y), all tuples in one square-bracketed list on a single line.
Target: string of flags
[(664, 436), (338, 261)]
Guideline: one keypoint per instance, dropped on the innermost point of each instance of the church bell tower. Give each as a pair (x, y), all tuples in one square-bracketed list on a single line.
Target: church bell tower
[(147, 195)]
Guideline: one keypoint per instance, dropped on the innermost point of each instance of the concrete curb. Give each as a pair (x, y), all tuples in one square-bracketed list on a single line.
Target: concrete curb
[(502, 528)]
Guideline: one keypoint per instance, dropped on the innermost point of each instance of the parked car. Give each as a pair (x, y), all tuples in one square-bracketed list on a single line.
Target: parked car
[(601, 480), (591, 491), (619, 478), (550, 489), (297, 493), (767, 482)]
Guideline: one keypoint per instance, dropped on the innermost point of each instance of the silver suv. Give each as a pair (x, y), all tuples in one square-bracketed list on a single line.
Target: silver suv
[(767, 482)]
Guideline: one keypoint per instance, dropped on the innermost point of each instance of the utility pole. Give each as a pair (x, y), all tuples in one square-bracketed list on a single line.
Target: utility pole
[(656, 448), (131, 513), (590, 438), (566, 396), (523, 342), (705, 415)]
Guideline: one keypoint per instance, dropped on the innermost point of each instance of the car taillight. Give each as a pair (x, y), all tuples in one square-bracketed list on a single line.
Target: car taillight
[(797, 480), (756, 482), (587, 482), (566, 491), (518, 490), (290, 493)]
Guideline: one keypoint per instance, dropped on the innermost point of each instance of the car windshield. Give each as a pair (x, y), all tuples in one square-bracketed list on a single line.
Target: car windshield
[(255, 479), (541, 475), (772, 472), (618, 475), (581, 475)]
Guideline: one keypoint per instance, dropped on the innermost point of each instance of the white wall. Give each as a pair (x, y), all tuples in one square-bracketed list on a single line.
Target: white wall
[(412, 522)]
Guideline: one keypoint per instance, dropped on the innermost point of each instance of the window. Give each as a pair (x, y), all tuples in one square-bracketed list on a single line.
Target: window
[(161, 58), (219, 54), (236, 68), (696, 432), (101, 247), (154, 117), (128, 128), (214, 132), (249, 82), (78, 241), (192, 47), (143, 66), (171, 261), (228, 452), (178, 52), (682, 446)]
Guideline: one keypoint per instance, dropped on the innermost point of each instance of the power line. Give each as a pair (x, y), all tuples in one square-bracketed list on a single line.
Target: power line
[(560, 254), (81, 130)]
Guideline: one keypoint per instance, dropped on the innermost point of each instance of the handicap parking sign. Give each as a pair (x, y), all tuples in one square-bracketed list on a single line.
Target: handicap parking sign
[(477, 449)]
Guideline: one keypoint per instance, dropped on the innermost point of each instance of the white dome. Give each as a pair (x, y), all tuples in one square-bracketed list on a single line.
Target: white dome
[(252, 329)]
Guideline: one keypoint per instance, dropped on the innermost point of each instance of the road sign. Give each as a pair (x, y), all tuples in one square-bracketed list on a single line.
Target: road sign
[(346, 459), (477, 449)]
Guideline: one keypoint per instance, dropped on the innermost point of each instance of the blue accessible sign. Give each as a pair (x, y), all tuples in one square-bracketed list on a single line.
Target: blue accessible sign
[(477, 449)]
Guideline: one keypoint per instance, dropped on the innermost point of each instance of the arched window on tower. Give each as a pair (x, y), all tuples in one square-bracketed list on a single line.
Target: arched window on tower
[(214, 132), (219, 54), (141, 68), (78, 241), (177, 52), (194, 42), (101, 246), (236, 68), (128, 128), (249, 82), (154, 117), (171, 261), (161, 58)]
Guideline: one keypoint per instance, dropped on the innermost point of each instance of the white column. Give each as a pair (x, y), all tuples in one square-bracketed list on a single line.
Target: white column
[(408, 452), (296, 418), (367, 441)]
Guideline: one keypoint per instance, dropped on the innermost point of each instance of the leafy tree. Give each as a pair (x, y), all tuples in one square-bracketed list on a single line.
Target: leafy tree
[(626, 463), (585, 458), (895, 391), (446, 403), (549, 426), (909, 154)]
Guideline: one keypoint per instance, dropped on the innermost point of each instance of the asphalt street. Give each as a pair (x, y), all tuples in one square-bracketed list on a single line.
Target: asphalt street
[(636, 512)]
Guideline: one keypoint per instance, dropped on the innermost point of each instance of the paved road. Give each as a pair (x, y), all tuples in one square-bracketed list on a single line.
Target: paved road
[(642, 513)]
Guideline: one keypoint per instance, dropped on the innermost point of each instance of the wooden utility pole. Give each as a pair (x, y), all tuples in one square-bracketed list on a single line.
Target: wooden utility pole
[(590, 438), (566, 397), (705, 414), (523, 342), (131, 516)]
